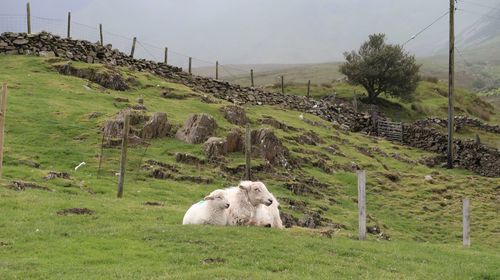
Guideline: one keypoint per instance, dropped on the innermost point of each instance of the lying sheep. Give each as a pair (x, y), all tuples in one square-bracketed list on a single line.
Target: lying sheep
[(267, 216), (244, 200), (210, 211)]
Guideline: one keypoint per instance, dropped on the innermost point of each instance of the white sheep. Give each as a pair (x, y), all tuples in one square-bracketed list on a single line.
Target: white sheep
[(244, 199), (212, 210), (268, 216)]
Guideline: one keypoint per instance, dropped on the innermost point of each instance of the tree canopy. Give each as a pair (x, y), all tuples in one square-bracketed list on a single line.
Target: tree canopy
[(382, 68)]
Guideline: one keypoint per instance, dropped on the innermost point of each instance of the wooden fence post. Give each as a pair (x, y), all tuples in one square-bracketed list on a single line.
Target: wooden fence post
[(190, 62), (28, 17), (100, 35), (466, 222), (101, 155), (308, 88), (217, 70), (133, 47), (282, 85), (248, 152), (362, 204), (123, 157), (69, 25), (166, 56), (251, 78), (3, 110)]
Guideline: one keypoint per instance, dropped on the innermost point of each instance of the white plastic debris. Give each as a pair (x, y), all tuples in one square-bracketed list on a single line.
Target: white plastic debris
[(80, 165)]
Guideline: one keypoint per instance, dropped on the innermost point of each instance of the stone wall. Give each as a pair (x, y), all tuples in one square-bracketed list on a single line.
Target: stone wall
[(467, 154), (478, 158), (460, 123)]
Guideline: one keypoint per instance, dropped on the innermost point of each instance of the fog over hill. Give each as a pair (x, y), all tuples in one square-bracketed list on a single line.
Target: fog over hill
[(263, 31)]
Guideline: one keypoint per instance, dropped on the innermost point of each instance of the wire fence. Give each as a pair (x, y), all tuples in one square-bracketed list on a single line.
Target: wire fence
[(154, 52), (144, 50)]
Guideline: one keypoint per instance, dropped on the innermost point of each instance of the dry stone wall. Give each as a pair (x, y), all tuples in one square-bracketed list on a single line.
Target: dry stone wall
[(470, 155)]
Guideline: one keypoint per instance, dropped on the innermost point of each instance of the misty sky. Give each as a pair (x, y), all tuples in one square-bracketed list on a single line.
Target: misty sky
[(249, 31)]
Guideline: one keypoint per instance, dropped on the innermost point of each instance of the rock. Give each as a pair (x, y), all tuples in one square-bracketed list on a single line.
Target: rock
[(197, 129), (156, 127), (188, 159), (234, 114), (47, 54), (20, 42), (235, 141), (288, 220), (276, 124), (94, 115), (309, 138), (52, 175), (428, 178), (215, 148), (269, 147), (21, 186)]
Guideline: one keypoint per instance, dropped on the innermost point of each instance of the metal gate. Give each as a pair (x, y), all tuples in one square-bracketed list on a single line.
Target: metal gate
[(390, 130)]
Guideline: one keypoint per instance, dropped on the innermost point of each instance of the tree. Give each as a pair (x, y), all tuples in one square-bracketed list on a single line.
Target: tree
[(382, 68)]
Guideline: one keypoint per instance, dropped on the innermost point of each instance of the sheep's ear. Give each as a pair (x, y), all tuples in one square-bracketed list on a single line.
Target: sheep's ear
[(209, 197), (245, 185)]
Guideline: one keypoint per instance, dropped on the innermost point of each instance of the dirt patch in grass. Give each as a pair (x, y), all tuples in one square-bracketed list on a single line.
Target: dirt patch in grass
[(213, 261), (53, 175), (75, 211), (153, 203), (21, 186)]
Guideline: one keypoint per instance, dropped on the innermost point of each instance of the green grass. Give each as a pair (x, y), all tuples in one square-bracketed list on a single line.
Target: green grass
[(47, 123)]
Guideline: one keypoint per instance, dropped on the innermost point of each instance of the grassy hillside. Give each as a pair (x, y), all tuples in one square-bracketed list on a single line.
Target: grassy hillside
[(48, 125)]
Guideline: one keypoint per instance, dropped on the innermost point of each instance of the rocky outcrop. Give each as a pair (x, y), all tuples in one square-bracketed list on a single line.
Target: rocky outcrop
[(269, 147), (215, 149), (108, 79), (142, 126), (235, 141), (234, 114), (156, 127), (197, 129)]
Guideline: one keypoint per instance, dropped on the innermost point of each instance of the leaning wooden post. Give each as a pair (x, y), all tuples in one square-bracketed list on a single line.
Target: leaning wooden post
[(165, 60), (308, 88), (248, 152), (190, 62), (217, 70), (251, 78), (133, 47), (100, 35), (362, 204), (28, 17), (282, 85), (3, 110), (69, 25), (101, 155), (466, 222), (123, 158)]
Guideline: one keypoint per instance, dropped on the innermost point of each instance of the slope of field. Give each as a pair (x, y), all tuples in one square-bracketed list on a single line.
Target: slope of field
[(270, 74), (48, 129)]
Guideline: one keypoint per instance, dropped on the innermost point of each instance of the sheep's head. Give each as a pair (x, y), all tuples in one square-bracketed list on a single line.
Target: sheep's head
[(218, 198), (257, 193)]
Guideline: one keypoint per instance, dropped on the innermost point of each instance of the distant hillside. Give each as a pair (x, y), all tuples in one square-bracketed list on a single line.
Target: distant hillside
[(268, 74)]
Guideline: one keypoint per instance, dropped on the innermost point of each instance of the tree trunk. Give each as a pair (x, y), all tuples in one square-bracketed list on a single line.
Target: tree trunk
[(372, 95)]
